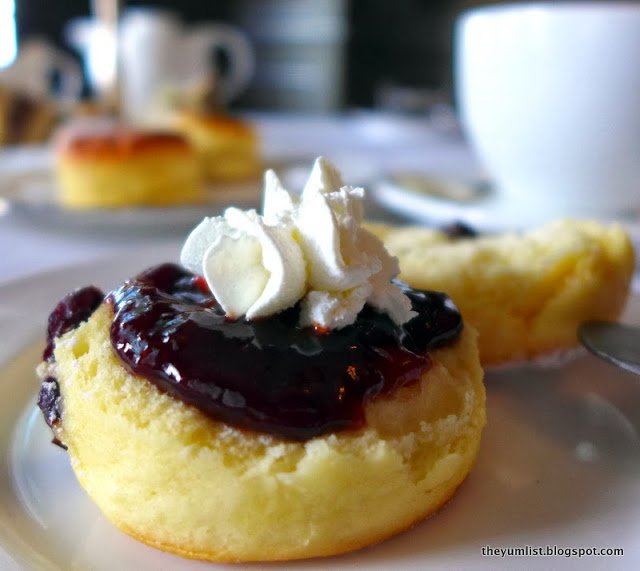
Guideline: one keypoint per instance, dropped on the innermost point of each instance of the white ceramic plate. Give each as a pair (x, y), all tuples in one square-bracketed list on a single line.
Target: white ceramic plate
[(28, 190), (559, 465), (33, 196)]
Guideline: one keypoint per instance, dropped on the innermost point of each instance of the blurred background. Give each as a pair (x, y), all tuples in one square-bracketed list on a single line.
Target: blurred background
[(311, 55)]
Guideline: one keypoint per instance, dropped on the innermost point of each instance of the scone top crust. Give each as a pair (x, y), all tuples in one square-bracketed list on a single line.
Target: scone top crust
[(120, 143)]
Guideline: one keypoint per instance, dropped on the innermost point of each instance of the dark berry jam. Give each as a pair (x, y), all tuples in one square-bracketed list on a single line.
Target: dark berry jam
[(459, 230), (70, 312), (269, 375), (50, 403)]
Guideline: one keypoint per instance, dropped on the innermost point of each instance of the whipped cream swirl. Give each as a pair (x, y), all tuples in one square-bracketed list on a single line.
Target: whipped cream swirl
[(310, 249)]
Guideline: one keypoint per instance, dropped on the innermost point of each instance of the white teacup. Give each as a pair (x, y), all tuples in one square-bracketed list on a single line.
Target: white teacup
[(157, 52), (549, 95)]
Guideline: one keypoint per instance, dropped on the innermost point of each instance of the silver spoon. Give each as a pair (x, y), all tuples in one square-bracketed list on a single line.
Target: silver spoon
[(614, 342)]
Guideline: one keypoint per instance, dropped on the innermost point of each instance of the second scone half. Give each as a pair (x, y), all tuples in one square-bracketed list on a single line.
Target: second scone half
[(176, 479), (526, 293)]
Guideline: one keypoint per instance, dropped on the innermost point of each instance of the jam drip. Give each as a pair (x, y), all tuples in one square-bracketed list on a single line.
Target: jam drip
[(459, 230), (269, 375), (70, 312), (50, 403)]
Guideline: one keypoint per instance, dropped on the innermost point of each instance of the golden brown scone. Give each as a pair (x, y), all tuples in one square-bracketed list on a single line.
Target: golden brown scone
[(175, 479), (227, 146), (122, 166), (525, 293)]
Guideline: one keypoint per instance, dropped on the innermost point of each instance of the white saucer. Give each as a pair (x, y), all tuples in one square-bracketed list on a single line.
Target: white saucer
[(438, 201), (433, 200), (559, 466)]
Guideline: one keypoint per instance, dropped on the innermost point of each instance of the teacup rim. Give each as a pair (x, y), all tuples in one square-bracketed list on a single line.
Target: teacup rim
[(549, 6)]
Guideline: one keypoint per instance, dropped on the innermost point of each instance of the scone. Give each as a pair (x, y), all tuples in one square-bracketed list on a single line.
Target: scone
[(174, 478), (253, 416), (116, 166), (227, 146), (526, 293)]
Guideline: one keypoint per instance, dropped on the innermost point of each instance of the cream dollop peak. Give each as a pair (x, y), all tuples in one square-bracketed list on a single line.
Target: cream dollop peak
[(310, 248)]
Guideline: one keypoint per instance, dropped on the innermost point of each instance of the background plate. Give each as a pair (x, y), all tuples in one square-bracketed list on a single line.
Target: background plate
[(33, 196), (28, 189)]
